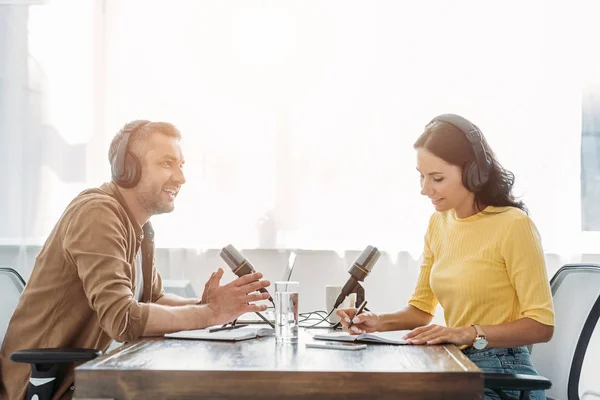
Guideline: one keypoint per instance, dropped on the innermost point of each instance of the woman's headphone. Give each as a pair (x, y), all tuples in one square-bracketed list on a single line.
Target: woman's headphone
[(125, 166), (475, 173)]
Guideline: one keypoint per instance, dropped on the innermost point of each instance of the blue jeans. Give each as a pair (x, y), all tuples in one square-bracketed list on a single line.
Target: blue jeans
[(505, 361)]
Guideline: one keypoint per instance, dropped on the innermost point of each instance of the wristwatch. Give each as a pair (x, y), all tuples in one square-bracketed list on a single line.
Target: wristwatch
[(480, 341)]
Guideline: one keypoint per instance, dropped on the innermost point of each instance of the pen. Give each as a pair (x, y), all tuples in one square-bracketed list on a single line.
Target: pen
[(362, 306), (225, 328)]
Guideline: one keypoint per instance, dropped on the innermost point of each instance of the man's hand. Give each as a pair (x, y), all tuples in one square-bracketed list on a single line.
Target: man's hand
[(211, 285), (228, 302), (436, 334)]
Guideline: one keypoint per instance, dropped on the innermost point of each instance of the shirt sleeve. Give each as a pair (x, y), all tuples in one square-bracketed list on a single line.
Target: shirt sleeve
[(95, 242), (526, 267), (157, 286), (423, 297)]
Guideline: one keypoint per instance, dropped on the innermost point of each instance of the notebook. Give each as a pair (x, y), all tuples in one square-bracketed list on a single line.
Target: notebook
[(389, 337), (244, 333)]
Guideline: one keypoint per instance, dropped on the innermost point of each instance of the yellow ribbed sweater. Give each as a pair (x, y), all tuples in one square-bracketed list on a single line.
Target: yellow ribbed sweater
[(486, 269)]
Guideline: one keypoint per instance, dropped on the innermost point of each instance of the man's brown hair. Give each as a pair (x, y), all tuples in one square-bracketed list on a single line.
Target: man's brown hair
[(141, 135)]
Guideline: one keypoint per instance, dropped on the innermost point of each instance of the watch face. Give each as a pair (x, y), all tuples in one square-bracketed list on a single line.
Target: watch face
[(480, 344)]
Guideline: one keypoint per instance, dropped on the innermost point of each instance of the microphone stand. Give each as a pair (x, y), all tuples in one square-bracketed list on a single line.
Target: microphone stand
[(257, 313), (266, 320), (360, 297)]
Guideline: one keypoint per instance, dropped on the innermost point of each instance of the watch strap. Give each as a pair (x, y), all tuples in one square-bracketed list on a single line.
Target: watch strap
[(480, 333)]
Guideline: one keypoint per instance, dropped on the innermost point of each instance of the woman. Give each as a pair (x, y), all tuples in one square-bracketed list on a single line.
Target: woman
[(482, 261)]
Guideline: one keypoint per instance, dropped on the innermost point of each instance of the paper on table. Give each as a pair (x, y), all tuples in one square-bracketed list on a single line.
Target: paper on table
[(244, 333), (388, 337)]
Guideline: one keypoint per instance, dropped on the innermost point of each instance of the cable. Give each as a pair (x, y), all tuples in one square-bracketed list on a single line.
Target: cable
[(323, 319), (308, 315)]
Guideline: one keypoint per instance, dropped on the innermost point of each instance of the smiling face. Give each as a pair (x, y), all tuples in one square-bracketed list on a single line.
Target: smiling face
[(162, 175), (442, 183)]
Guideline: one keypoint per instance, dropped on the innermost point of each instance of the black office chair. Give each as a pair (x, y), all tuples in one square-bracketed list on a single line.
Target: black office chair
[(576, 296), (45, 363)]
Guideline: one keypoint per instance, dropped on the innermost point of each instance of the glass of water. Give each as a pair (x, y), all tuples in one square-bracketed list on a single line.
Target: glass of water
[(286, 312)]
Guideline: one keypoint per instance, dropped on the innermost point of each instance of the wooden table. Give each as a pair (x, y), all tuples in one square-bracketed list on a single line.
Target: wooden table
[(261, 369)]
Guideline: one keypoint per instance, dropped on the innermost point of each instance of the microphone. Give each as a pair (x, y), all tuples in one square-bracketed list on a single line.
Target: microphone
[(240, 265), (358, 272)]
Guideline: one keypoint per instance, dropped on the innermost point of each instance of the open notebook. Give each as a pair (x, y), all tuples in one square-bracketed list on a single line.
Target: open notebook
[(389, 337), (244, 333)]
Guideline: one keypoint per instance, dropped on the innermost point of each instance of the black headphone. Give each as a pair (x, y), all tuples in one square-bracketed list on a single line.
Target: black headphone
[(476, 173), (126, 168)]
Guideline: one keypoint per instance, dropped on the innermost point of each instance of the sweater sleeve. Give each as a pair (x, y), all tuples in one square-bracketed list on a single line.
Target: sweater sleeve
[(526, 267), (423, 297)]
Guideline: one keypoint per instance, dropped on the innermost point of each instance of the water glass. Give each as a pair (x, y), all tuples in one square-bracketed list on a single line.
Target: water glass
[(286, 312)]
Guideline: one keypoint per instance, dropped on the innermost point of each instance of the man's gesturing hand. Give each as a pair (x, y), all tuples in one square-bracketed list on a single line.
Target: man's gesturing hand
[(230, 301)]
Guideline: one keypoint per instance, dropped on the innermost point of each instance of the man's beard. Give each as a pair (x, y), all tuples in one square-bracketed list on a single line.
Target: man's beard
[(153, 203)]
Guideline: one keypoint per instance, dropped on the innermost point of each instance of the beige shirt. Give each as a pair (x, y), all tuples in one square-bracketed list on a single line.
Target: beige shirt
[(81, 290)]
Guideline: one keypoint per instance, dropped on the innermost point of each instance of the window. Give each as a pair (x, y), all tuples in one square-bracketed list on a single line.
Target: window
[(590, 158)]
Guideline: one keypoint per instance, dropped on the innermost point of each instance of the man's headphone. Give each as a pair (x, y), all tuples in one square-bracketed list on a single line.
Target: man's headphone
[(475, 173), (125, 166)]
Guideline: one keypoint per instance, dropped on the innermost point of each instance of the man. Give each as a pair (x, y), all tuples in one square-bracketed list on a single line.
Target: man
[(94, 280)]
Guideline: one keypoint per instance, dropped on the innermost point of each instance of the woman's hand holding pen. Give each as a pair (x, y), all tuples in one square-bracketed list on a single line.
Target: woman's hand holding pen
[(366, 321)]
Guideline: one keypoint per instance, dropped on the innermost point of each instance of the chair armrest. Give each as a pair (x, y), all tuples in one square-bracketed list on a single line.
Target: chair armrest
[(54, 356), (515, 382)]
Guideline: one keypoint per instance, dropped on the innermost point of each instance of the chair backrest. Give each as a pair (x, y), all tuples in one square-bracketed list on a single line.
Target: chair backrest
[(576, 297), (11, 287)]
